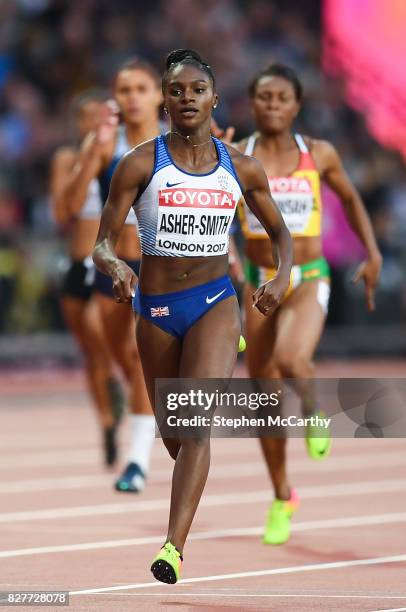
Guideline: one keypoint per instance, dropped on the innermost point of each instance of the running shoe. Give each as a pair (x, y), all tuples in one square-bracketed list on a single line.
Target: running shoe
[(318, 440), (167, 564), (132, 479), (109, 445), (277, 527)]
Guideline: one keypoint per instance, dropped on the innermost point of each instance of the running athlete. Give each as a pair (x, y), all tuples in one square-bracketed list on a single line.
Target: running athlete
[(180, 185), (138, 96), (283, 345), (80, 310)]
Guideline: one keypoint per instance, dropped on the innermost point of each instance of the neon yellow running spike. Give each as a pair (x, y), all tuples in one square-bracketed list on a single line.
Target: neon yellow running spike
[(167, 564), (277, 527), (318, 440), (242, 345)]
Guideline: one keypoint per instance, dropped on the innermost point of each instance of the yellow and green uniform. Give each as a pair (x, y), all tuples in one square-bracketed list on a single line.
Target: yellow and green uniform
[(298, 197), (311, 270)]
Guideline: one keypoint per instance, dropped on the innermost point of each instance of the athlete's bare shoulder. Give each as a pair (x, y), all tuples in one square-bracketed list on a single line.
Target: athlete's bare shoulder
[(137, 165), (248, 168), (318, 145), (145, 148), (143, 153), (323, 152), (62, 163), (241, 145), (238, 157)]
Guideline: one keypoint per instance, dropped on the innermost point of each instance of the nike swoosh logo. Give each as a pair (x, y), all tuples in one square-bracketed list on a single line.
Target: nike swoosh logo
[(174, 184), (210, 300)]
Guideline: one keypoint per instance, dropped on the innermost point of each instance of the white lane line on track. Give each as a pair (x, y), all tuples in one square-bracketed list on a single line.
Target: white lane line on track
[(352, 521), (391, 610), (249, 497), (69, 457), (85, 456), (348, 462), (268, 572), (237, 595)]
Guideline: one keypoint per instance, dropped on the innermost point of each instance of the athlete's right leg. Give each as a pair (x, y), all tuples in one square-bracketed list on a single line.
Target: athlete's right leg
[(160, 354), (260, 332), (119, 326), (83, 319)]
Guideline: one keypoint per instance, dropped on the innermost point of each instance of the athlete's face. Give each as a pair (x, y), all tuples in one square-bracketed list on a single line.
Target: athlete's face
[(274, 105), (88, 117), (189, 97), (138, 96)]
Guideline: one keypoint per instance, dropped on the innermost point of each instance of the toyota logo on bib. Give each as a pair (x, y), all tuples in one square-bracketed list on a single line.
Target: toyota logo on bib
[(197, 198)]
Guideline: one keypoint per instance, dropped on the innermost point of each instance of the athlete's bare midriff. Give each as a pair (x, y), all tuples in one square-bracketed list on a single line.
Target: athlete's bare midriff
[(82, 238), (305, 249), (167, 274)]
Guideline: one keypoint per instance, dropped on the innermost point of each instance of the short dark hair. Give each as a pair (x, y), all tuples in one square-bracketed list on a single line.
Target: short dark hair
[(279, 70), (135, 63), (186, 56)]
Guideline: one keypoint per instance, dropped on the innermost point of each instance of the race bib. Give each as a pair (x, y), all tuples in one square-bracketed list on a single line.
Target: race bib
[(295, 200), (194, 221)]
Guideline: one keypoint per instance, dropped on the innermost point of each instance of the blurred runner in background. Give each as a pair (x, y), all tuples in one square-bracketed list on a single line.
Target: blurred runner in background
[(80, 309), (138, 97)]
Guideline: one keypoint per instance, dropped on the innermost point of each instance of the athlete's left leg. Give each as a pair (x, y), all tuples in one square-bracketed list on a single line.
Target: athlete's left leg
[(119, 326), (209, 350), (299, 325)]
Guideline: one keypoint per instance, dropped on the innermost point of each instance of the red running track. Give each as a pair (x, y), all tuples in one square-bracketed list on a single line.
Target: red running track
[(63, 527)]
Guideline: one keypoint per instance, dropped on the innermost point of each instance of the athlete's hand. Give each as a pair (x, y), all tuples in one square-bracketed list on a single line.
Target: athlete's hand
[(226, 135), (268, 297), (108, 122), (369, 271), (124, 282)]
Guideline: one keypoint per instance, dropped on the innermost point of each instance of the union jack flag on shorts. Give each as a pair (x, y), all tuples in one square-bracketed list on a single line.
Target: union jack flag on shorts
[(161, 311)]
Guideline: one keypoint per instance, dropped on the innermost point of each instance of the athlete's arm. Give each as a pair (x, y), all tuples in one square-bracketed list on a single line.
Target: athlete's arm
[(87, 167), (61, 165), (332, 171), (131, 174), (258, 198), (95, 153)]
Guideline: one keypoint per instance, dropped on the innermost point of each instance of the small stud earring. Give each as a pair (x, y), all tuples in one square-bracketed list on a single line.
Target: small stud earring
[(165, 110), (214, 105)]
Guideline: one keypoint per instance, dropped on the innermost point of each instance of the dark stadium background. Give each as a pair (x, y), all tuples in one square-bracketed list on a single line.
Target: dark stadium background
[(51, 50)]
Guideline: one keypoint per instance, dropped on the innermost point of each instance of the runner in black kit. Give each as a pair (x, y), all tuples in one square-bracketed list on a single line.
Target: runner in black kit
[(138, 97)]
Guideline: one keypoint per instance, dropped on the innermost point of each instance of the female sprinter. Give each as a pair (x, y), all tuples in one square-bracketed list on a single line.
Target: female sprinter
[(80, 310), (283, 345), (177, 181), (138, 96)]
